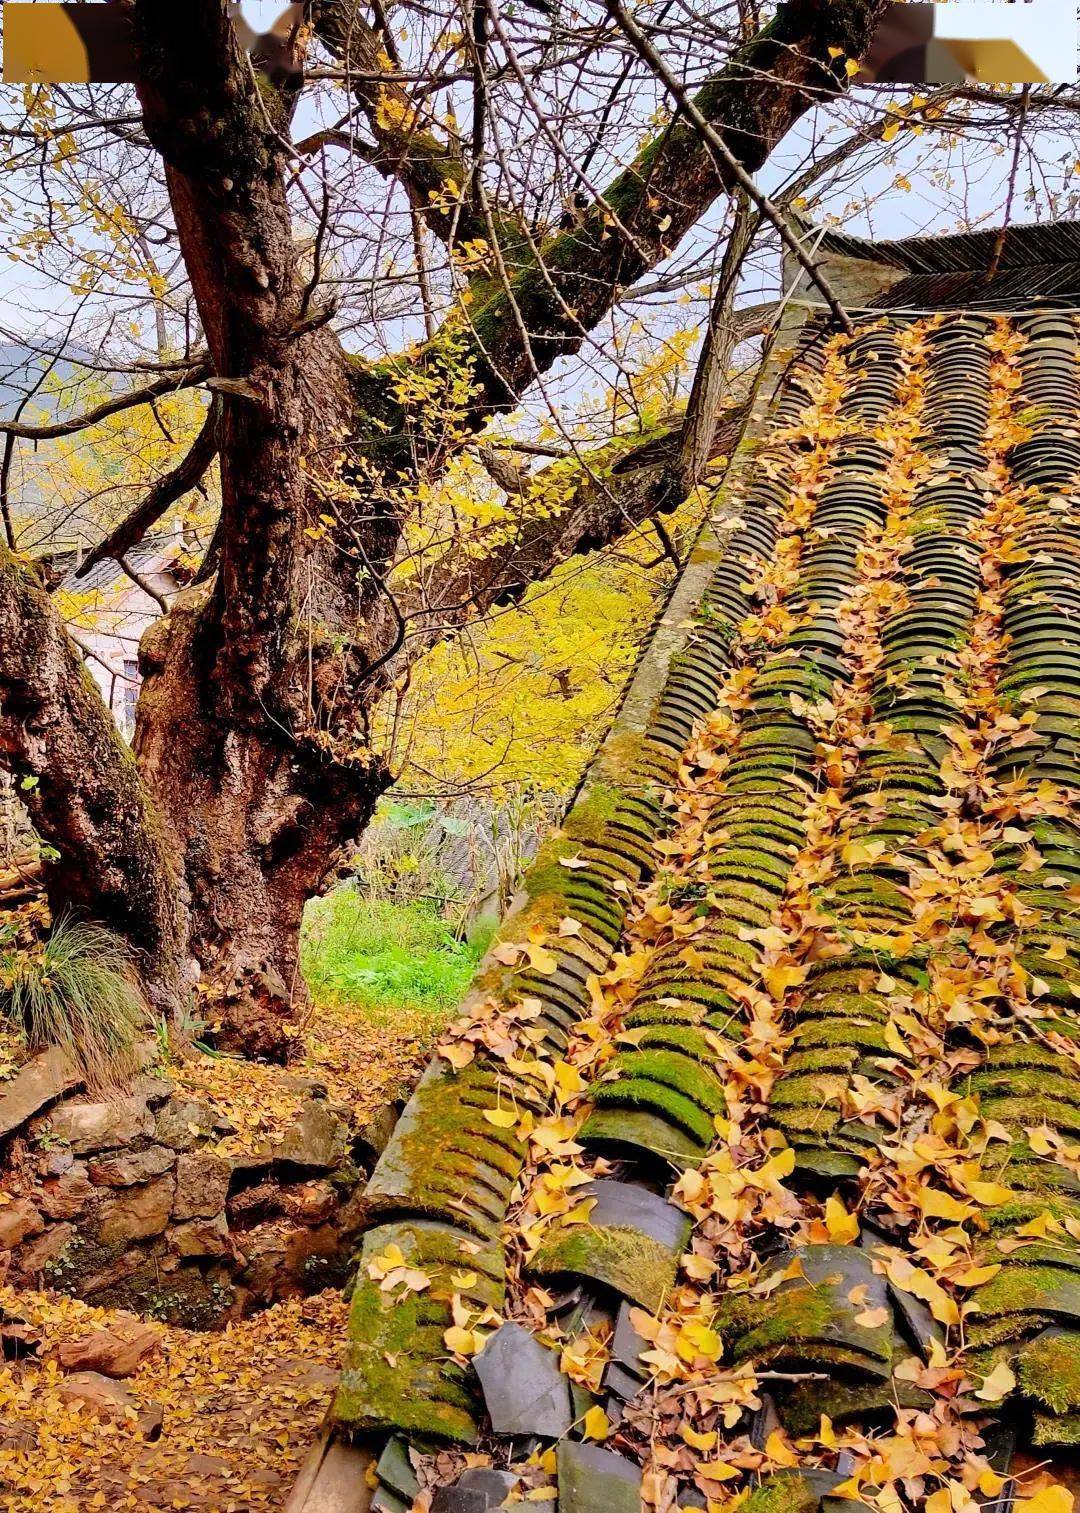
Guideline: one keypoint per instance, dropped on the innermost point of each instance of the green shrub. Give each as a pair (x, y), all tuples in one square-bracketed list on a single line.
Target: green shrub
[(76, 990), (383, 955)]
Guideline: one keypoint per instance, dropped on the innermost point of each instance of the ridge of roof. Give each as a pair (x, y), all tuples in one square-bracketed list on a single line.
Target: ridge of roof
[(1047, 244)]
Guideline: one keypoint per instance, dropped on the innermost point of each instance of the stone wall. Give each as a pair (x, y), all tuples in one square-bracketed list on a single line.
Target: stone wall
[(129, 1201)]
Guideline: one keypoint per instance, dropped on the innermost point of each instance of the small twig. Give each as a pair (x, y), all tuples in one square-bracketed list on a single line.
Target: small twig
[(999, 242), (665, 541), (316, 256)]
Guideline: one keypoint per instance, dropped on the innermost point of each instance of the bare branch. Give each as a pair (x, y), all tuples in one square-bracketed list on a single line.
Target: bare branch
[(171, 383), (165, 492), (699, 425)]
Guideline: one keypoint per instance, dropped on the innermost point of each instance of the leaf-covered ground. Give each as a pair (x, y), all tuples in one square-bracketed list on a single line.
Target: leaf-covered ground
[(240, 1407), (239, 1411), (363, 1060)]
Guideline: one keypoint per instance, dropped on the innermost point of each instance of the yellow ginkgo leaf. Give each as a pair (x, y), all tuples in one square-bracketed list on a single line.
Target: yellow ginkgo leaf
[(938, 1205), (989, 1192), (541, 959), (1052, 1499), (778, 979), (461, 1341), (717, 1470), (997, 1384), (568, 1079), (501, 1118), (843, 1227), (779, 1451), (990, 1483), (595, 1424), (459, 1054)]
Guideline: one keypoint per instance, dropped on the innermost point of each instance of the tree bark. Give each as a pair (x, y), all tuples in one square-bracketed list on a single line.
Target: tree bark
[(117, 858)]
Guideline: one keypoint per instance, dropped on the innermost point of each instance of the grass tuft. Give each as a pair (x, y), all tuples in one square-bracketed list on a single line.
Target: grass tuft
[(76, 990)]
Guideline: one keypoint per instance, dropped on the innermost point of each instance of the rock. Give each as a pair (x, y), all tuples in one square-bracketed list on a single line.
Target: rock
[(373, 1137), (33, 1086), (524, 1390), (126, 1168), (18, 1337), (57, 1162), (104, 1398), (120, 1269), (311, 1203), (31, 1258), (478, 1490), (16, 1437), (319, 1138), (101, 1126), (65, 1195), (395, 1469), (494, 1486), (252, 1204), (183, 1122), (385, 1501), (154, 1089), (311, 1086), (202, 1185), (201, 1237), (592, 1480), (115, 1352), (136, 1212), (309, 1252), (19, 1220)]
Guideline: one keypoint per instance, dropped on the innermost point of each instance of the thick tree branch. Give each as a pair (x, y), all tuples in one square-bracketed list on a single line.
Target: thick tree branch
[(431, 170), (766, 86), (727, 163), (282, 379), (623, 485), (80, 785), (165, 492)]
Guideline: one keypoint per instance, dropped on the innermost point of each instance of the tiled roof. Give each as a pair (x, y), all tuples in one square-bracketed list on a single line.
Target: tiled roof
[(152, 554), (793, 993), (1022, 246)]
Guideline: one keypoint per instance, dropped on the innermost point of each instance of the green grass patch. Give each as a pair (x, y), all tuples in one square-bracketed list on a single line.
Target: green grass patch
[(381, 955)]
